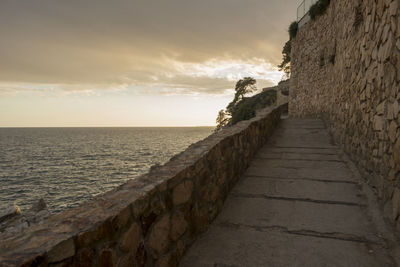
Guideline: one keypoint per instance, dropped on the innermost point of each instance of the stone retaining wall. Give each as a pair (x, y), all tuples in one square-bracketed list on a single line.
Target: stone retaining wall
[(149, 221), (282, 92), (346, 69)]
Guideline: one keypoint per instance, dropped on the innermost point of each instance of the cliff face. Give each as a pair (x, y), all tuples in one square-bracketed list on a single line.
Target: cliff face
[(346, 69)]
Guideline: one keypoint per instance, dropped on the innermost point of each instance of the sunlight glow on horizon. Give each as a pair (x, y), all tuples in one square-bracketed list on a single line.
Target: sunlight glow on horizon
[(110, 109), (160, 104)]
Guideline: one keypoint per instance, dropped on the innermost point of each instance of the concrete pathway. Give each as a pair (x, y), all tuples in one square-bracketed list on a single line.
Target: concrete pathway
[(299, 204)]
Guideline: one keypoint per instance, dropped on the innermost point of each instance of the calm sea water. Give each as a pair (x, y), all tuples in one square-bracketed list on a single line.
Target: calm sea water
[(67, 166)]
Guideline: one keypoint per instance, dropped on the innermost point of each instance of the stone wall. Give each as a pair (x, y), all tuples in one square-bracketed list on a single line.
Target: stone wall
[(149, 221), (282, 92), (346, 70)]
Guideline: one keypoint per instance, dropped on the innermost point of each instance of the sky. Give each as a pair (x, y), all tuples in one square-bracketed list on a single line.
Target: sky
[(134, 62)]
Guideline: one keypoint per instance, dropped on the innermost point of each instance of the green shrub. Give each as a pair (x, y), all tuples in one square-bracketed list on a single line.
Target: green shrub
[(246, 109), (294, 26), (285, 64), (318, 9), (313, 11)]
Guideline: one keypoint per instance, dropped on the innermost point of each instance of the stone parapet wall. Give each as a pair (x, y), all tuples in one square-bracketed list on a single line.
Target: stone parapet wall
[(151, 220), (282, 92), (346, 70)]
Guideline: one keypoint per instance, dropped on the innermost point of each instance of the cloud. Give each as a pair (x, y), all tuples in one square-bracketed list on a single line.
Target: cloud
[(192, 46)]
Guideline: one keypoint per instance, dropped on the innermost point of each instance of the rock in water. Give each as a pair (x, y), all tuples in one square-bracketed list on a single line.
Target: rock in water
[(39, 206), (9, 212), (13, 222), (37, 213)]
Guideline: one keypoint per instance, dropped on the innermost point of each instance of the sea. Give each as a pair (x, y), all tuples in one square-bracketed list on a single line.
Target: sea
[(68, 166)]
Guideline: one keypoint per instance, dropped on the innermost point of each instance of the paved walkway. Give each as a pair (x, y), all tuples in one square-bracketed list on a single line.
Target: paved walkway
[(299, 204)]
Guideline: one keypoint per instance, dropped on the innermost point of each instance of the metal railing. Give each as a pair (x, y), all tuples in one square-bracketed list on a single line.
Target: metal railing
[(303, 8)]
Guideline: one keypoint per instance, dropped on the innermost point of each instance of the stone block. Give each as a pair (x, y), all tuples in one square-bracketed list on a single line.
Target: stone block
[(398, 27), (89, 237), (159, 236), (393, 24), (180, 248), (130, 240), (62, 251), (84, 257), (396, 154), (126, 261), (156, 205), (121, 220), (147, 221), (394, 8), (396, 204), (387, 50), (178, 226), (107, 258), (203, 219), (182, 192), (385, 33), (379, 123), (164, 261), (395, 109), (393, 131), (140, 206)]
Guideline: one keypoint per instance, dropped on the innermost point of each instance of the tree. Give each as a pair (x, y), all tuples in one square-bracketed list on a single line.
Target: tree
[(287, 48), (285, 65), (222, 120), (243, 86)]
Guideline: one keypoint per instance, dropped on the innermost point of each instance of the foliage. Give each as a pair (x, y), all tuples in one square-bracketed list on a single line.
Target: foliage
[(285, 65), (244, 108), (287, 48), (283, 81), (294, 26), (243, 112), (222, 120), (318, 8), (243, 86)]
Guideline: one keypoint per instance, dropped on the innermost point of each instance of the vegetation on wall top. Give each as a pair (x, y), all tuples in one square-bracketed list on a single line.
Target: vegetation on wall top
[(287, 48), (244, 108), (319, 8), (294, 26)]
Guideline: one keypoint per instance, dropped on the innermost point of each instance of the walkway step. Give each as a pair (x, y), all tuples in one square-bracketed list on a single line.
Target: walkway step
[(234, 247), (296, 188), (298, 164), (293, 173), (299, 150), (328, 217), (299, 156)]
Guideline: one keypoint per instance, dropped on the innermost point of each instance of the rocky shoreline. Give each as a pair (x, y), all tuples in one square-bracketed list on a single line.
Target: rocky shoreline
[(13, 221)]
